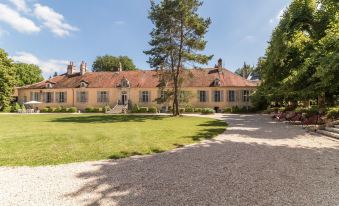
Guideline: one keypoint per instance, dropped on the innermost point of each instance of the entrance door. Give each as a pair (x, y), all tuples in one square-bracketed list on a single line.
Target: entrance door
[(124, 99)]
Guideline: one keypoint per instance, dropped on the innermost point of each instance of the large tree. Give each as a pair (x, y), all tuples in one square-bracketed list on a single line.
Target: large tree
[(27, 74), (245, 70), (176, 39), (112, 63), (7, 80)]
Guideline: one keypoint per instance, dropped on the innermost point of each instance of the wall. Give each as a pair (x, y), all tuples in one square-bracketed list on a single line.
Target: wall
[(133, 95)]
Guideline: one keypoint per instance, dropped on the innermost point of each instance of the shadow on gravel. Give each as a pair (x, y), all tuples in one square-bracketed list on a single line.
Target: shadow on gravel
[(218, 172)]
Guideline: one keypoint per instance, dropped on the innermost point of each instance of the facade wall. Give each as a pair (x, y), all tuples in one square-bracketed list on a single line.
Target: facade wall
[(133, 94)]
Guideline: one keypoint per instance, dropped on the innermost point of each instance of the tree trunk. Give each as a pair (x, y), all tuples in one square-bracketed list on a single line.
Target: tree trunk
[(176, 100)]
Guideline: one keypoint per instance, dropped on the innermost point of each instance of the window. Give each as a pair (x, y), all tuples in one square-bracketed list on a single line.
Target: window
[(144, 96), (124, 83), (217, 96), (245, 95), (83, 84), (231, 96), (102, 96), (216, 83), (163, 95), (49, 97), (203, 96), (61, 97), (35, 96), (82, 97), (49, 85)]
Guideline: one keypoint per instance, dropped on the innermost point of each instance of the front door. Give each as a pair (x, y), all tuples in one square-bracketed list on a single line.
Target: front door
[(124, 99)]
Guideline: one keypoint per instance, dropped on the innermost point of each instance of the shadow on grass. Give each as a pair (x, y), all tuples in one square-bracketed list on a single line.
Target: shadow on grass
[(108, 118)]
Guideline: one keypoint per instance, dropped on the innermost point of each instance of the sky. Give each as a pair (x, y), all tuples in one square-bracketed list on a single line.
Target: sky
[(50, 33)]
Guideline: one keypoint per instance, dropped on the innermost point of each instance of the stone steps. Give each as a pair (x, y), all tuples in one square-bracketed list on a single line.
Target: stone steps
[(118, 109), (336, 126), (329, 134), (332, 130)]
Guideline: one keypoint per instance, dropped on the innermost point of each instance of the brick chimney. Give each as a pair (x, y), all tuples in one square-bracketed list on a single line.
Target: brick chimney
[(83, 68), (120, 67), (70, 68)]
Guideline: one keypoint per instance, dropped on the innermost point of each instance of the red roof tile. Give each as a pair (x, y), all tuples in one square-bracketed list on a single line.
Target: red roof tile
[(144, 79)]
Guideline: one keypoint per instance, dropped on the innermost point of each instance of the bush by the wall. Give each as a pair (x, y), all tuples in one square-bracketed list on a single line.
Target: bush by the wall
[(90, 109), (52, 109), (227, 110), (182, 110), (72, 110), (197, 110), (152, 110), (143, 109), (332, 113), (135, 109), (189, 110), (15, 107), (207, 111), (45, 110)]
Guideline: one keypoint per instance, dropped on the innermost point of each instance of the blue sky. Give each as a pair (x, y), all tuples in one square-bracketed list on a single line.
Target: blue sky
[(50, 33)]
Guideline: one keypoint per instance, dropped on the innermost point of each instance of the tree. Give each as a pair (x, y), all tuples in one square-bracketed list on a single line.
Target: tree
[(245, 70), (27, 74), (55, 74), (176, 39), (7, 81), (112, 63)]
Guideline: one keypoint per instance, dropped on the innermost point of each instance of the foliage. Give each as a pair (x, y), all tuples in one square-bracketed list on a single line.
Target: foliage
[(301, 61), (27, 74), (176, 39), (112, 63), (227, 110), (245, 70), (152, 110), (15, 107), (7, 81), (73, 109), (333, 113), (74, 138), (143, 109), (90, 109), (189, 110), (197, 110), (207, 111), (135, 108)]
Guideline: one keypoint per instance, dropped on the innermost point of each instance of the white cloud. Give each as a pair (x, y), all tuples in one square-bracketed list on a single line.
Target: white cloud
[(16, 21), (48, 67), (119, 22), (20, 5), (249, 38), (53, 20)]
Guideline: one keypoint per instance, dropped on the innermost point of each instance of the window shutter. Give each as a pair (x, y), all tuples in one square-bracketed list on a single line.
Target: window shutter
[(43, 97), (65, 97), (198, 95), (32, 96), (207, 96), (149, 96), (86, 96), (140, 96), (57, 97), (98, 96), (78, 96), (52, 97), (221, 96), (213, 96)]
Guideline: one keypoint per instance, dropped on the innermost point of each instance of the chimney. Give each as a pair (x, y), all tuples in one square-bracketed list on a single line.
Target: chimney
[(220, 63), (83, 68), (244, 73), (120, 67), (70, 68)]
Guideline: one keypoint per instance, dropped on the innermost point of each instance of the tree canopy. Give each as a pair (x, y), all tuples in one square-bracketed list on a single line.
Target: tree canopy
[(176, 40), (245, 70), (302, 58), (112, 63), (7, 80), (27, 74)]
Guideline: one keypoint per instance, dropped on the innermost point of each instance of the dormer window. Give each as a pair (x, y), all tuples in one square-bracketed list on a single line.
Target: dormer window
[(124, 83), (216, 83), (83, 84), (49, 85)]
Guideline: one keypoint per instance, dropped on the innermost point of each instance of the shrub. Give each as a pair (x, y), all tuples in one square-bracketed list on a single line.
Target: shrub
[(152, 110), (23, 108), (281, 109), (135, 109), (227, 110), (15, 107), (45, 110), (52, 109), (207, 111), (181, 110), (65, 110), (107, 108), (235, 109), (332, 113), (143, 109), (72, 110), (189, 110), (89, 109), (58, 109), (198, 110), (300, 110)]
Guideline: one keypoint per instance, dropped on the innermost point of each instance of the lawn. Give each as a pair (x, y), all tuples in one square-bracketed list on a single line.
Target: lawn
[(55, 139)]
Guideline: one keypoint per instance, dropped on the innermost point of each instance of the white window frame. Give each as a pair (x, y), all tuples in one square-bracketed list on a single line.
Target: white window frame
[(231, 98), (202, 96)]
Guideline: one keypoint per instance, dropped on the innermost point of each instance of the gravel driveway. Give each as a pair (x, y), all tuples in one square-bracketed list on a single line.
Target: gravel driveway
[(255, 162)]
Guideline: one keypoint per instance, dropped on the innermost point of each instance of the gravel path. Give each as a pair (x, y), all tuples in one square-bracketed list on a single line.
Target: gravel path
[(255, 162)]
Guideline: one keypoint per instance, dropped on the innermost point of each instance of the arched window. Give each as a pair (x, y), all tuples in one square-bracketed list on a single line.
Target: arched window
[(83, 84), (216, 83), (124, 83), (49, 85)]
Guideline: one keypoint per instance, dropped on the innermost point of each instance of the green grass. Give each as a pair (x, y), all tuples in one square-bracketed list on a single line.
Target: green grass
[(55, 139)]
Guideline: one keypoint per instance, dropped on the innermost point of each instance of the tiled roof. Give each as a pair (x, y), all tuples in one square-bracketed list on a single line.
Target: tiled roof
[(144, 79)]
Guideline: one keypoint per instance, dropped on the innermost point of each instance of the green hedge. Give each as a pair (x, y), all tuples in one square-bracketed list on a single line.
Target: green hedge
[(332, 113), (207, 111), (59, 110)]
